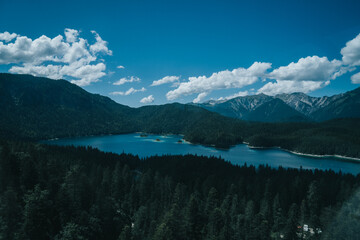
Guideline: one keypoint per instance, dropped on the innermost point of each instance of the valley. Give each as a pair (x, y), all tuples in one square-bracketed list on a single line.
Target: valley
[(30, 113)]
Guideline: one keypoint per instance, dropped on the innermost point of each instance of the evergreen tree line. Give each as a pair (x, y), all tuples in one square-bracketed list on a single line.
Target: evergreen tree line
[(51, 192)]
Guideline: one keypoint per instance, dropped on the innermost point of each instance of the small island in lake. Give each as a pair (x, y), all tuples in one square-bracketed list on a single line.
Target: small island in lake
[(179, 141), (143, 135), (158, 140)]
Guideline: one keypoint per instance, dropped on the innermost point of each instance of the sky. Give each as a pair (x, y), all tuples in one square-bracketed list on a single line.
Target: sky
[(157, 52)]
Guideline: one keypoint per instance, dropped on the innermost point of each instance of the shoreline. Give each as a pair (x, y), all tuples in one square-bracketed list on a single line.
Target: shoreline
[(340, 157)]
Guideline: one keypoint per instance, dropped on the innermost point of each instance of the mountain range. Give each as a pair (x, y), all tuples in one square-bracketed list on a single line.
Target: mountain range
[(294, 107), (35, 108)]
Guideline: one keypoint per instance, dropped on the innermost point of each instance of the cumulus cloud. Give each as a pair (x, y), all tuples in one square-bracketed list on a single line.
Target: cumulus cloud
[(308, 69), (306, 75), (120, 67), (355, 78), (56, 57), (167, 79), (287, 86), (100, 45), (239, 94), (71, 35), (236, 78), (129, 92), (127, 80), (148, 99), (7, 37), (200, 97), (351, 52)]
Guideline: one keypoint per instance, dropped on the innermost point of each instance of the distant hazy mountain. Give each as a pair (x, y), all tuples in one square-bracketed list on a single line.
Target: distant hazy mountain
[(299, 107)]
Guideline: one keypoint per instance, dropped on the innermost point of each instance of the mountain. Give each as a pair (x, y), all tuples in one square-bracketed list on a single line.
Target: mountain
[(301, 107), (37, 108), (237, 107), (302, 102), (275, 110), (345, 105), (258, 108), (34, 107)]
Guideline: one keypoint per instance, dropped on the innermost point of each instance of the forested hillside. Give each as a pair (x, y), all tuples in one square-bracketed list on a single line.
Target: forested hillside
[(49, 192), (35, 108)]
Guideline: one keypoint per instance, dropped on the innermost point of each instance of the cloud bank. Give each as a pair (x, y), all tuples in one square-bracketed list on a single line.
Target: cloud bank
[(306, 75), (308, 69), (286, 86), (237, 78), (56, 58)]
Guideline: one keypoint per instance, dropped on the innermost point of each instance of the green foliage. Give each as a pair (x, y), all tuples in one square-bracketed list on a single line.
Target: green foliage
[(82, 193)]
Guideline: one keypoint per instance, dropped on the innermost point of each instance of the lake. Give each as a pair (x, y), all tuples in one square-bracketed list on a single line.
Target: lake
[(238, 155)]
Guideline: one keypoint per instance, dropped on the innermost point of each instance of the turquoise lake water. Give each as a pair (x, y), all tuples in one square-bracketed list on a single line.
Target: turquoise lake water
[(238, 155)]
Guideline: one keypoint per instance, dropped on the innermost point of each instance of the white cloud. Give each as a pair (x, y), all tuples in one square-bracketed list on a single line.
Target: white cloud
[(286, 86), (306, 75), (148, 99), (86, 73), (351, 52), (51, 71), (71, 35), (239, 94), (100, 45), (308, 69), (128, 92), (355, 78), (200, 97), (120, 67), (127, 80), (57, 58), (167, 79), (26, 50), (7, 37), (236, 78)]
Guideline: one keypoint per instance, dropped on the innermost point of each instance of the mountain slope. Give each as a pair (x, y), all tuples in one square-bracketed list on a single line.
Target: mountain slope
[(345, 105), (238, 107), (39, 108), (302, 106), (259, 108), (303, 103), (35, 107), (275, 111)]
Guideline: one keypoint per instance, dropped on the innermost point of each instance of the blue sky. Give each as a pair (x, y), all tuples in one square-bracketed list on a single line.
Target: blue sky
[(187, 42)]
